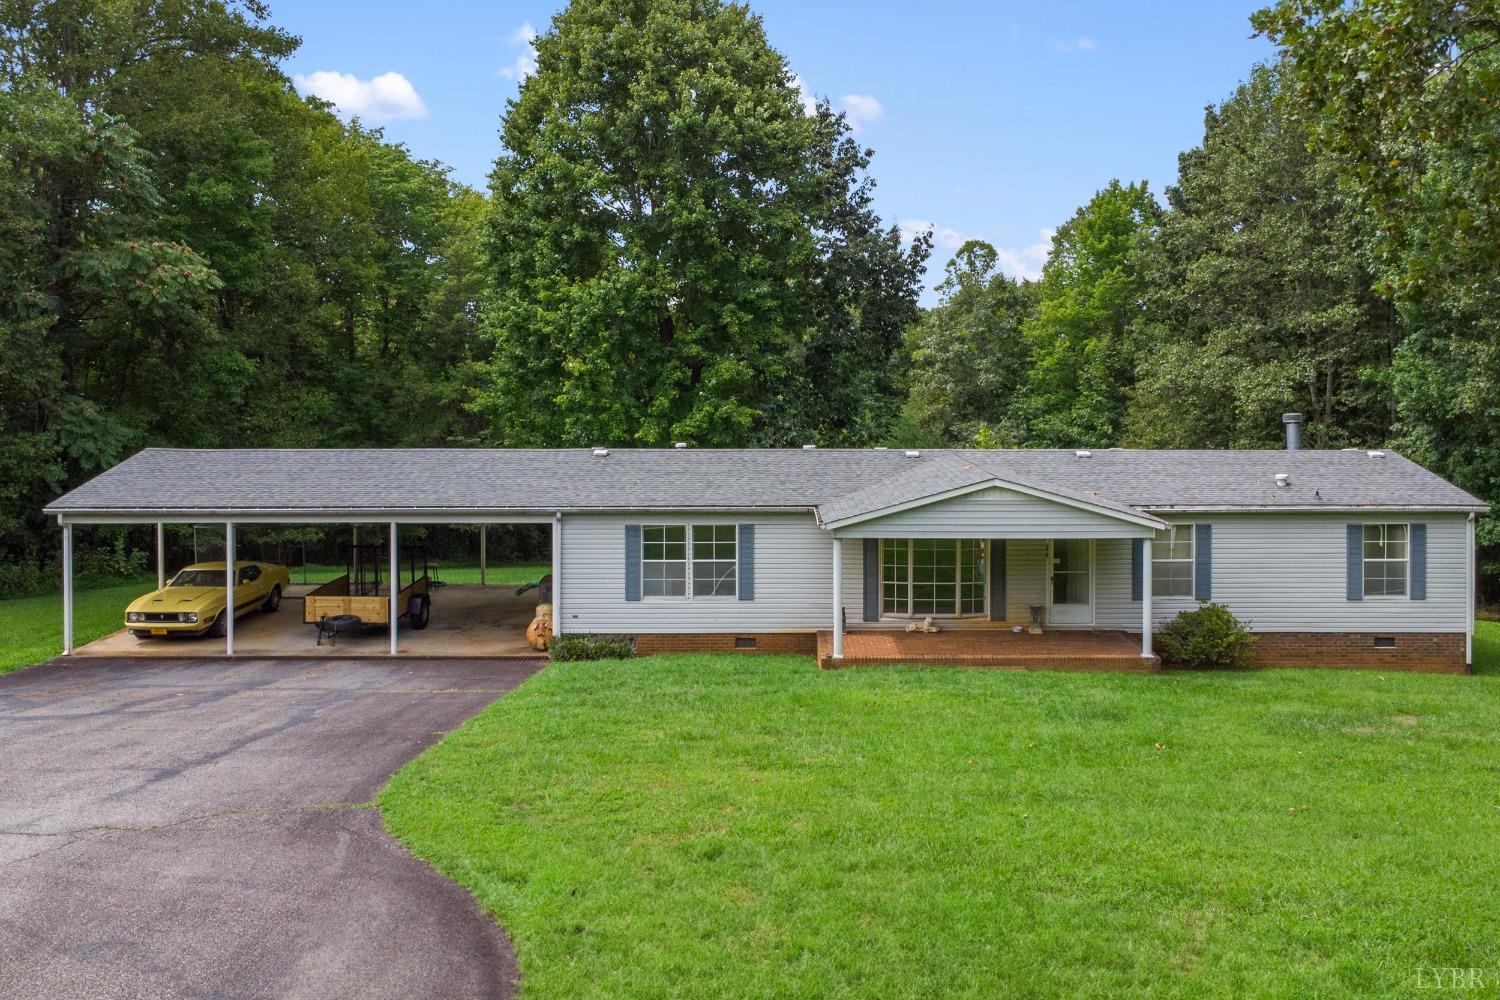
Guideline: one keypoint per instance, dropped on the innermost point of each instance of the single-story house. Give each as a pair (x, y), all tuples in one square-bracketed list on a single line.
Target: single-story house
[(1339, 558)]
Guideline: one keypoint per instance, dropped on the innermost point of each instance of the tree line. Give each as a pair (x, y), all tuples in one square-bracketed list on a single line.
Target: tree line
[(673, 248)]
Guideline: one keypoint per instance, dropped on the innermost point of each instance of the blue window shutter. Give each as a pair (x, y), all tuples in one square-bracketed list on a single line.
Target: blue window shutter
[(1137, 568), (997, 579), (1418, 556), (632, 562), (1203, 562), (872, 579), (1354, 562), (746, 568)]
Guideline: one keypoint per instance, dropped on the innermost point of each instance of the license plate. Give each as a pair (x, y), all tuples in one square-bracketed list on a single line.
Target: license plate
[(158, 631)]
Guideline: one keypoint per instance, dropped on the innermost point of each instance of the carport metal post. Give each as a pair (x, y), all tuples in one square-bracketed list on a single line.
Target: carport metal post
[(395, 586), (557, 575), (228, 588), (1146, 602), (161, 556), (481, 555), (67, 583)]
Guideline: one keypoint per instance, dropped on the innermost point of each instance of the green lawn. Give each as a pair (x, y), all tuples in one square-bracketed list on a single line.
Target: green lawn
[(716, 826), (31, 627)]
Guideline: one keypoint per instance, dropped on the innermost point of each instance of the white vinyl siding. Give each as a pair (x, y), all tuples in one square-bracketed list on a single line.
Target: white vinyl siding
[(1287, 573), (994, 513), (793, 578), (1279, 572)]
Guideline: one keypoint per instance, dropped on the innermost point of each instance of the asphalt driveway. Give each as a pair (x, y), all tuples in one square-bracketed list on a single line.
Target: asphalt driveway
[(186, 828)]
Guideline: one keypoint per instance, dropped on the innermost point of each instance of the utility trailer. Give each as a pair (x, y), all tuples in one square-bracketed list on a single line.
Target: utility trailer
[(356, 598)]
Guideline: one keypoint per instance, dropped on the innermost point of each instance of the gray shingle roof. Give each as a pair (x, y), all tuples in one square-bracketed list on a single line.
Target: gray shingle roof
[(372, 479)]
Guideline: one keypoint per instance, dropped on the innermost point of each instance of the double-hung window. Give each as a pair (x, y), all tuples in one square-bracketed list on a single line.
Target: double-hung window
[(1172, 561), (933, 576), (681, 560), (1385, 560)]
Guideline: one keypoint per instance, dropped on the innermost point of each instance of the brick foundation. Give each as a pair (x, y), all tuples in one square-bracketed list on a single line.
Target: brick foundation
[(1424, 652), (804, 643)]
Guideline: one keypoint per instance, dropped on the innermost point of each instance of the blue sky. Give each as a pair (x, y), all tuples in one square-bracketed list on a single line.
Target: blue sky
[(991, 120)]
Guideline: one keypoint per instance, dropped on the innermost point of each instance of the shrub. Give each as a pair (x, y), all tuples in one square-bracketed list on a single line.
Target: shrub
[(591, 647), (1204, 638)]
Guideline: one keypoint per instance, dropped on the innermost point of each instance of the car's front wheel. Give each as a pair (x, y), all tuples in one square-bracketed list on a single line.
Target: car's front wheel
[(273, 599), (219, 629)]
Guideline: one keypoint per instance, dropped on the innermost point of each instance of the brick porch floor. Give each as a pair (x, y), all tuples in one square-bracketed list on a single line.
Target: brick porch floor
[(991, 648)]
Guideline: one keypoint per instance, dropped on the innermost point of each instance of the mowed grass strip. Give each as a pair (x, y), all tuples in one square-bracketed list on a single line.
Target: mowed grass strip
[(719, 826)]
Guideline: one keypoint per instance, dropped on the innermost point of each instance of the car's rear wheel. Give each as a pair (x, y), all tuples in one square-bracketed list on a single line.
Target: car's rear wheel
[(273, 599)]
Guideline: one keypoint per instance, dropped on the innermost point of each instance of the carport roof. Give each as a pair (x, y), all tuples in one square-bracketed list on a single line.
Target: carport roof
[(306, 484)]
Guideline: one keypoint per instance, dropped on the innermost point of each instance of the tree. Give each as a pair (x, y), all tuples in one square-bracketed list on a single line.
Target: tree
[(679, 252), (1082, 352), (1403, 93), (969, 361), (1260, 299)]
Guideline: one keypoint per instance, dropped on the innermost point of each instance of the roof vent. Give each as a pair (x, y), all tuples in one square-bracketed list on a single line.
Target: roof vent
[(680, 444), (1376, 453), (1293, 422), (808, 447), (880, 447), (601, 452), (1283, 480), (913, 453), (1083, 453)]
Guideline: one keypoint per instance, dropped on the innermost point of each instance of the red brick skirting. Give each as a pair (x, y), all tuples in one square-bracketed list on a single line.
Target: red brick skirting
[(804, 643), (1424, 652)]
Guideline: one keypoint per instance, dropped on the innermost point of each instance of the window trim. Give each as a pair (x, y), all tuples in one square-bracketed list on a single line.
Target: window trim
[(1192, 559), (687, 562), (1364, 561), (958, 579)]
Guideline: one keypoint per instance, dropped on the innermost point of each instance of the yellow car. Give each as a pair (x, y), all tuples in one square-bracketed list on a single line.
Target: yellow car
[(192, 602)]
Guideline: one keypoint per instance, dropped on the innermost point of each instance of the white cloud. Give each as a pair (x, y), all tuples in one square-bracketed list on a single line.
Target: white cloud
[(384, 98), (1028, 260), (525, 63), (1017, 262), (861, 109), (809, 103), (1080, 44)]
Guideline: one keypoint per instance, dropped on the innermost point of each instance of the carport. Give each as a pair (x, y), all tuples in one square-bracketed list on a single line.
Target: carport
[(235, 488)]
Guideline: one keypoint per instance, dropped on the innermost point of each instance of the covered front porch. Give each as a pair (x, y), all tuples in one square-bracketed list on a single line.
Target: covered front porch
[(997, 648)]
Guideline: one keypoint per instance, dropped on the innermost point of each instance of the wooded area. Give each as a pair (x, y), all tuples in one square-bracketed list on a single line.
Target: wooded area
[(672, 249)]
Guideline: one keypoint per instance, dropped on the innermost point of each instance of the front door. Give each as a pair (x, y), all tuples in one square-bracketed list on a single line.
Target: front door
[(1070, 582)]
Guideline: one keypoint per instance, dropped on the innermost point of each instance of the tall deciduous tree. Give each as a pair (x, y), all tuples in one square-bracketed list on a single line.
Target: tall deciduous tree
[(969, 361), (679, 251), (1083, 355), (1260, 299)]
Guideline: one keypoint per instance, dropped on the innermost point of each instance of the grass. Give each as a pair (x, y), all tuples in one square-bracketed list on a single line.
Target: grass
[(719, 826), (31, 627)]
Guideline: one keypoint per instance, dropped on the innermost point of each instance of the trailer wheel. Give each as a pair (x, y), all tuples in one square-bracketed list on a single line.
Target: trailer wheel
[(418, 610)]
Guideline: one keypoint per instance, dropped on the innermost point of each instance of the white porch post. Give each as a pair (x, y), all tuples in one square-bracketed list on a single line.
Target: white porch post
[(395, 586), (229, 575), (161, 557), (557, 575), (67, 584), (838, 598), (481, 554), (1146, 598)]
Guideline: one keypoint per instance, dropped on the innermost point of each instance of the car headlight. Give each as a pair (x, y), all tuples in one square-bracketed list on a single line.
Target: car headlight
[(133, 616), (191, 616)]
